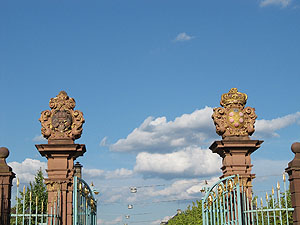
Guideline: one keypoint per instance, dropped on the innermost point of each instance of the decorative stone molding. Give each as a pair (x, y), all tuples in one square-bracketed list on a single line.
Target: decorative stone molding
[(62, 122), (235, 124), (233, 119), (53, 186), (61, 126)]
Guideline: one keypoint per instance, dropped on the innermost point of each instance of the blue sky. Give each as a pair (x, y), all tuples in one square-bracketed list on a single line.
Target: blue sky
[(146, 75)]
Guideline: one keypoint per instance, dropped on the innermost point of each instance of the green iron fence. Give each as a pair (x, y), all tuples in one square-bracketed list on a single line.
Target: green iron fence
[(29, 211), (229, 202), (84, 203), (222, 203), (273, 209)]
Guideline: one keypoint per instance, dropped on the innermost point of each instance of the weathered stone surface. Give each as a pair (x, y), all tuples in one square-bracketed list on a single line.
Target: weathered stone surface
[(293, 171), (61, 122), (235, 124), (61, 126), (6, 177)]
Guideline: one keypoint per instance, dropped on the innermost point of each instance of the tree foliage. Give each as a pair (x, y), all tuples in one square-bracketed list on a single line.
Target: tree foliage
[(33, 200), (192, 215)]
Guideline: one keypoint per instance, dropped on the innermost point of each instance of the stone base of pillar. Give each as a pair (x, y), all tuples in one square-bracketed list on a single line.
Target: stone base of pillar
[(61, 156), (236, 158), (293, 171), (6, 177)]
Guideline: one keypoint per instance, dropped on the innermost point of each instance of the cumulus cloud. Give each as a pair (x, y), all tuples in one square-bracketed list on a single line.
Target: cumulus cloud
[(268, 128), (282, 3), (157, 135), (27, 169), (184, 189), (160, 135), (190, 162), (183, 37)]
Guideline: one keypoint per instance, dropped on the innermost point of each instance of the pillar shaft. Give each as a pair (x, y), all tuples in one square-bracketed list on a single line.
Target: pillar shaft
[(60, 175), (6, 177), (236, 158), (293, 171)]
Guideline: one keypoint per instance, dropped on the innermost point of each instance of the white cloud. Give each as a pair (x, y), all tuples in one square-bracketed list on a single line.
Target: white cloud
[(183, 37), (93, 173), (160, 135), (282, 3), (27, 169), (194, 129), (103, 141), (178, 190), (184, 163), (268, 128), (39, 138)]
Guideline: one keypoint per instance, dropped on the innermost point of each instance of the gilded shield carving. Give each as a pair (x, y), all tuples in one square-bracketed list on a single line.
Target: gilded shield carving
[(233, 119)]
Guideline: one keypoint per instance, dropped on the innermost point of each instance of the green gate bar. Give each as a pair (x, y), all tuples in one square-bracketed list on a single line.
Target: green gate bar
[(30, 216), (84, 203), (228, 203), (222, 203)]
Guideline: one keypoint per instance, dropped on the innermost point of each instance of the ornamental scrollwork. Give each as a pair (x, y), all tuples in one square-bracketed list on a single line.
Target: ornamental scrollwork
[(62, 122), (233, 119)]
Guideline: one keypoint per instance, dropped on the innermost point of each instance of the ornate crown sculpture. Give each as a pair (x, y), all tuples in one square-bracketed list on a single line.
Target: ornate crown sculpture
[(233, 119), (62, 122)]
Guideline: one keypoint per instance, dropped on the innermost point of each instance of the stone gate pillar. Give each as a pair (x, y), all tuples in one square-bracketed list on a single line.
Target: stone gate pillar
[(294, 177), (6, 177), (61, 126), (235, 124)]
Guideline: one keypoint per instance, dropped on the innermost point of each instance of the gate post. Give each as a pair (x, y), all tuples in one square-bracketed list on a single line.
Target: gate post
[(235, 124), (6, 177), (293, 171), (61, 126)]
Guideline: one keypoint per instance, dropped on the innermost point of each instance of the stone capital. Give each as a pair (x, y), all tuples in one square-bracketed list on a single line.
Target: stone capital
[(61, 150), (237, 146)]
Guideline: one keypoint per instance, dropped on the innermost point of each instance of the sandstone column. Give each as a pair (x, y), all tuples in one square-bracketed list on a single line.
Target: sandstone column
[(6, 177), (235, 124), (294, 177), (61, 126)]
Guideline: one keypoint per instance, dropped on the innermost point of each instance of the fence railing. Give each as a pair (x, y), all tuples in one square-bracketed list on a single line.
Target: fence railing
[(274, 208), (29, 211), (229, 202)]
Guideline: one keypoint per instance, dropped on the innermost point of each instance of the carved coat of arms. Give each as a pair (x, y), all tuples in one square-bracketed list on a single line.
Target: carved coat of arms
[(61, 122), (233, 119)]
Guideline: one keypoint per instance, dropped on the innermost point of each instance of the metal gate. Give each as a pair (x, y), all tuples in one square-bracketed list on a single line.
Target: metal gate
[(222, 203), (228, 202), (33, 211), (274, 208), (84, 203)]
